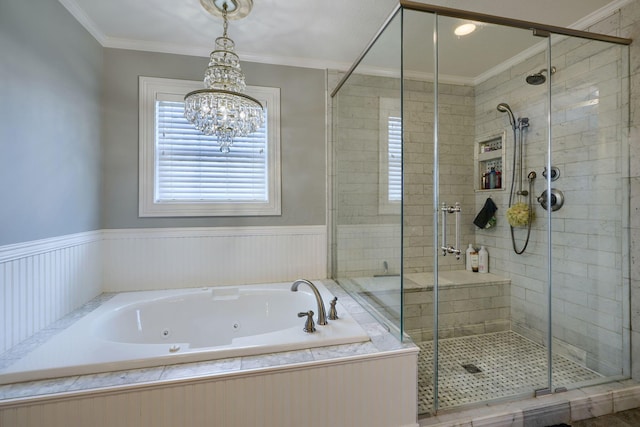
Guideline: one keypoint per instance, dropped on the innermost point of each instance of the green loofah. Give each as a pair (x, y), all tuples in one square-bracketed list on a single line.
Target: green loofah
[(518, 215)]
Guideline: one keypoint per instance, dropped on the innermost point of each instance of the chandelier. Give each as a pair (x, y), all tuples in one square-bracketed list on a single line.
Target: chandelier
[(222, 109)]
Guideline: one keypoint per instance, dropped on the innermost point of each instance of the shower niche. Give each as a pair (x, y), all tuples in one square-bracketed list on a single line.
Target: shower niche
[(489, 155)]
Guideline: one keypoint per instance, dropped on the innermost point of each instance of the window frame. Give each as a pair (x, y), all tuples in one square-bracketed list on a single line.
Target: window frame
[(152, 89), (388, 107)]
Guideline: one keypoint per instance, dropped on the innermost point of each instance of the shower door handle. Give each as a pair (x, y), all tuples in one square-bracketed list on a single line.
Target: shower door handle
[(450, 249), (458, 220), (444, 247)]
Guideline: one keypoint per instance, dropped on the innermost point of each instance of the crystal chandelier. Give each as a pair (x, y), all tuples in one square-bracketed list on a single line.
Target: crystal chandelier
[(221, 109)]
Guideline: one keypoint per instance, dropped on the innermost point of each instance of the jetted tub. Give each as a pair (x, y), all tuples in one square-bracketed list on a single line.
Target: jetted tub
[(152, 328)]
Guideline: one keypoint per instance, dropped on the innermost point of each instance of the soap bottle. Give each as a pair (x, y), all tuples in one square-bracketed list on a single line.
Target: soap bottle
[(474, 261), (492, 178), (483, 260), (467, 257)]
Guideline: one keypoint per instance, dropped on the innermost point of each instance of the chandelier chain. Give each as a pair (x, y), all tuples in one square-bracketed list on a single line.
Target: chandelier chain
[(224, 17)]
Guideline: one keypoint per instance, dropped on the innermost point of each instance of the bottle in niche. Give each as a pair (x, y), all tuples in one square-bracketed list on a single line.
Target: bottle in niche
[(498, 179), (492, 178), (483, 260), (474, 261), (467, 257)]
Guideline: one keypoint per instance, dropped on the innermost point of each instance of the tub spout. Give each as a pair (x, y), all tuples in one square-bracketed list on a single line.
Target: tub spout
[(322, 315)]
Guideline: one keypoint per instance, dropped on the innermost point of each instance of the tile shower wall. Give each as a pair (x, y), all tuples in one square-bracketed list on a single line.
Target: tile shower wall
[(455, 133), (361, 225), (364, 249), (358, 174), (627, 24), (588, 130), (464, 310)]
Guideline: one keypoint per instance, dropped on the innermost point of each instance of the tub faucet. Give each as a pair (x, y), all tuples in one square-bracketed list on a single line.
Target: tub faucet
[(322, 315)]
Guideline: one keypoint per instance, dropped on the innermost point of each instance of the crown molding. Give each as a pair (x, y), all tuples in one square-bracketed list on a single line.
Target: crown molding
[(599, 15), (204, 52), (316, 63)]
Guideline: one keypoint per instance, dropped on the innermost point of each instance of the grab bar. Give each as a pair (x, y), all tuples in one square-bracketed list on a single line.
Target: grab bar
[(450, 249)]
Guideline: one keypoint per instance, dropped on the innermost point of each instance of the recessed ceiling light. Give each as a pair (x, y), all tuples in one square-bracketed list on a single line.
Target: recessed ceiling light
[(464, 29)]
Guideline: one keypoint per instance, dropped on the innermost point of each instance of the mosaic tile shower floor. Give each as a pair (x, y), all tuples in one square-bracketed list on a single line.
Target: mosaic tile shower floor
[(509, 365)]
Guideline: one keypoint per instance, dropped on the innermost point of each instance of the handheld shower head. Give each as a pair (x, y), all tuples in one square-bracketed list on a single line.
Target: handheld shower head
[(503, 107), (539, 78)]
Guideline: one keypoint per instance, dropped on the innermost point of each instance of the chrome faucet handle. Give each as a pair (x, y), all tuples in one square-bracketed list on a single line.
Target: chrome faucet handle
[(309, 326), (322, 315), (333, 314)]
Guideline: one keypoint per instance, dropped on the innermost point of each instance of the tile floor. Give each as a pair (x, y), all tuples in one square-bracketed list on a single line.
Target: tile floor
[(509, 365), (630, 418)]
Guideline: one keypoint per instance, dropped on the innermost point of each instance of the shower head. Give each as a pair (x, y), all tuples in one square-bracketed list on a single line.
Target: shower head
[(539, 78), (503, 107)]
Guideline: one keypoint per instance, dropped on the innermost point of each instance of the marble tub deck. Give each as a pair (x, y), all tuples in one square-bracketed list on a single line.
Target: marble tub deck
[(579, 404), (381, 341)]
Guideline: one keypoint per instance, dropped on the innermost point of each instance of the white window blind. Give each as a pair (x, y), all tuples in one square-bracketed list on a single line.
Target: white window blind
[(183, 173), (191, 168), (395, 158)]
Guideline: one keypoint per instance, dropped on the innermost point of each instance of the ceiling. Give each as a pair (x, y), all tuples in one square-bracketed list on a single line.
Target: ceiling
[(308, 33)]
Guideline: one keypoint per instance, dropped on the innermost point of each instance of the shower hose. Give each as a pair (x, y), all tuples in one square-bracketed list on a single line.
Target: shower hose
[(531, 177)]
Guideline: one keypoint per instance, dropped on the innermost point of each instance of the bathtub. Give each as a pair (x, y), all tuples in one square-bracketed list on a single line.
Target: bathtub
[(153, 328)]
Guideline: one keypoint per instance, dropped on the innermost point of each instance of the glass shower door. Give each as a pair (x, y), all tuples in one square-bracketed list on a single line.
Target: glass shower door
[(419, 122), (587, 179), (367, 181), (491, 136)]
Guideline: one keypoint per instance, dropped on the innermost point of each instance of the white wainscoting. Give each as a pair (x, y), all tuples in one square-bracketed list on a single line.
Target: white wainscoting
[(375, 391), (41, 281), (147, 259)]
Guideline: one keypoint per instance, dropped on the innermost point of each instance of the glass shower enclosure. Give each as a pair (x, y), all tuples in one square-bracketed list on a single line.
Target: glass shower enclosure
[(503, 151)]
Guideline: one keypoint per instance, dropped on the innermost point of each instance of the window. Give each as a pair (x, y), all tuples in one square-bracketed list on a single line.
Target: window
[(394, 158), (390, 182), (183, 172)]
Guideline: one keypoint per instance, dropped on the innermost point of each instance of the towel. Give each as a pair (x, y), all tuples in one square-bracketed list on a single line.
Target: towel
[(485, 214)]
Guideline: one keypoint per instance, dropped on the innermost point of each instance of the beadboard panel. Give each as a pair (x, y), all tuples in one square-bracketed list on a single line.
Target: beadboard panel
[(43, 280), (368, 392), (147, 259)]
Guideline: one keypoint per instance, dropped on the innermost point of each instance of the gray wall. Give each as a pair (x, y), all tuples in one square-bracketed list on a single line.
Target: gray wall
[(50, 87), (69, 159), (302, 99)]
